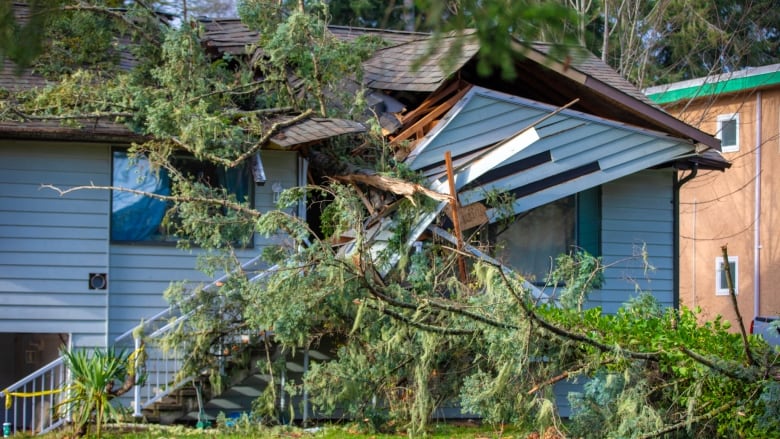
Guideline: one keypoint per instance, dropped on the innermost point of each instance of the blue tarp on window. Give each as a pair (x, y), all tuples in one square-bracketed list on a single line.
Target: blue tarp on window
[(136, 217)]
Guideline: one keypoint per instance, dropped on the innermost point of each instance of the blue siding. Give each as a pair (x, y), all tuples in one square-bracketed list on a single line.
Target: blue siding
[(637, 218), (49, 244)]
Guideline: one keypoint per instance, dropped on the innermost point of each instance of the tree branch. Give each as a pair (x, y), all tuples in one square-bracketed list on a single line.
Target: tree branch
[(96, 115), (248, 153), (735, 305), (703, 360), (573, 335), (116, 15), (176, 199), (686, 423), (421, 326)]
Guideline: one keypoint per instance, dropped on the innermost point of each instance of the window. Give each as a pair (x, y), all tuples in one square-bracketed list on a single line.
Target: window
[(728, 132), (138, 218), (532, 242), (721, 283)]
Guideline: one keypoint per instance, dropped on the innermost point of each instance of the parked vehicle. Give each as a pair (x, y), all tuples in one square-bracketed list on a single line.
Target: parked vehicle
[(763, 326)]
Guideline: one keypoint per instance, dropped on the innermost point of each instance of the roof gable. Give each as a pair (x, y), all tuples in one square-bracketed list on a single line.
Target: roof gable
[(575, 151)]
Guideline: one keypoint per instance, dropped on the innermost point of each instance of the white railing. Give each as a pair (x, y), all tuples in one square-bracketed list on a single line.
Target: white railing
[(34, 404)]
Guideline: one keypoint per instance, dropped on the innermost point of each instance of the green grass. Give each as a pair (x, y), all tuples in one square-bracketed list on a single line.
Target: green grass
[(350, 431)]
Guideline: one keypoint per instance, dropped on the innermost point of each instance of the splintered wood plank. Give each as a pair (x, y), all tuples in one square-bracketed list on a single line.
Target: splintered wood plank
[(430, 101), (430, 117)]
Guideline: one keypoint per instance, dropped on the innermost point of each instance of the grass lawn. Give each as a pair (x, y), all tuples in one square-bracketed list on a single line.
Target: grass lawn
[(150, 431)]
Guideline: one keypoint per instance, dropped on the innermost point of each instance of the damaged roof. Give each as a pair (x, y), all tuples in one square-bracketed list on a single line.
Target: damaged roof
[(229, 35), (416, 66), (419, 65)]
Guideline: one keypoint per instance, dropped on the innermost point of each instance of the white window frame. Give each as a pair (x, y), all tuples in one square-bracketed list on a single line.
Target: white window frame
[(726, 118), (723, 290)]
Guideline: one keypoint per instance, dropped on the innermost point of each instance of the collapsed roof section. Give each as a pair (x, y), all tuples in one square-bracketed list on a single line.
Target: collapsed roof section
[(228, 36)]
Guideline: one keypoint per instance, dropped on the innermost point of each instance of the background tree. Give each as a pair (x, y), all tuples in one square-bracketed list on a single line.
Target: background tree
[(656, 42)]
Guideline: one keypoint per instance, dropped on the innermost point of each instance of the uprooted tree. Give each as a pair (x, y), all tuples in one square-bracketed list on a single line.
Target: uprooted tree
[(413, 333)]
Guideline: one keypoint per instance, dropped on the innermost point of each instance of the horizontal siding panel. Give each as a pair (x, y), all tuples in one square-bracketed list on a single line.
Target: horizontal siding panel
[(75, 158), (44, 286), (55, 205), (59, 178), (65, 220), (50, 259), (89, 340), (175, 260), (128, 302), (53, 232), (657, 226), (45, 272), (95, 313), (51, 326), (658, 202), (39, 244), (649, 238), (135, 314), (47, 299), (160, 274), (631, 214), (599, 135)]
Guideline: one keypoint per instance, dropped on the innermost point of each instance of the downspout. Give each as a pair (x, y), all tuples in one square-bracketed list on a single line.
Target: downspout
[(757, 216), (676, 239)]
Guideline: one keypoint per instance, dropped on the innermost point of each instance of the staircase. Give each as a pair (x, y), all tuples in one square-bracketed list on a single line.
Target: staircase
[(32, 404)]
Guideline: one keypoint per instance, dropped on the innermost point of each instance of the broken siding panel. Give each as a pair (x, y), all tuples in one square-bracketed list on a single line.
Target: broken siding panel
[(558, 184), (49, 244), (141, 273), (638, 220), (480, 121), (576, 151)]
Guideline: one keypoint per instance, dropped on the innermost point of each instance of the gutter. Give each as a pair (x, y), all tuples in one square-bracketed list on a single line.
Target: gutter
[(757, 215)]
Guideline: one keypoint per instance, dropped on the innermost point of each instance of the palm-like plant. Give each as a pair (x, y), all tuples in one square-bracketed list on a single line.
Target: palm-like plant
[(91, 388)]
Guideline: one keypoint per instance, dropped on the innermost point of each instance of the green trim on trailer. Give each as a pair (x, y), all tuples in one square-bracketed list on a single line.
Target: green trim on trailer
[(716, 88)]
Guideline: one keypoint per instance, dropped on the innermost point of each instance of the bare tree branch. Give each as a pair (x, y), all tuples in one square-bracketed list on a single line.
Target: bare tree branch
[(176, 199)]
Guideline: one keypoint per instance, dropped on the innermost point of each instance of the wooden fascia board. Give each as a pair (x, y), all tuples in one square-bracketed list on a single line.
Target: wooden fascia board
[(644, 110), (26, 133), (550, 63), (652, 113)]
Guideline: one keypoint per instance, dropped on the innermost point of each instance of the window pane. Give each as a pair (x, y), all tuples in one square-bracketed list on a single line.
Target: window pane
[(723, 280), (140, 218), (137, 217), (532, 242), (728, 133)]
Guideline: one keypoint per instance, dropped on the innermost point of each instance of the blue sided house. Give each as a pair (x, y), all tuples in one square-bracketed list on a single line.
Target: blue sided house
[(589, 161)]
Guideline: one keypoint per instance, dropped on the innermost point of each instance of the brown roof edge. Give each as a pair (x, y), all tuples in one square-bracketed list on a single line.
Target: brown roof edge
[(37, 133), (651, 112), (644, 110)]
